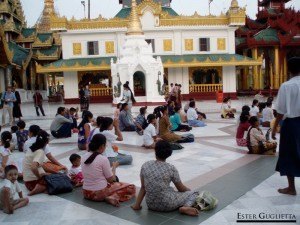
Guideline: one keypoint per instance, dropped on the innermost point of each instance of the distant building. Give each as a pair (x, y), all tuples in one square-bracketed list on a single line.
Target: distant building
[(274, 35), (196, 51), (21, 48)]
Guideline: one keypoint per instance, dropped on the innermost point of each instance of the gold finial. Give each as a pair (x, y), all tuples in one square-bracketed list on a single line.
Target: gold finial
[(135, 26), (234, 4)]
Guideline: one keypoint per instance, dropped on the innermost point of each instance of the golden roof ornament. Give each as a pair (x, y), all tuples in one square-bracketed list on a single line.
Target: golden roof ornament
[(135, 26), (234, 4)]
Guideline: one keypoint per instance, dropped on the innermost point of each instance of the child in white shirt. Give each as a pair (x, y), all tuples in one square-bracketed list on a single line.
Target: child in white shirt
[(14, 140), (11, 186), (4, 151), (75, 171), (150, 135)]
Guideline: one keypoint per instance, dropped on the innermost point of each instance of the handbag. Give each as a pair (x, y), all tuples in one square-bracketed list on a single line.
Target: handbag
[(58, 184), (205, 201), (187, 138)]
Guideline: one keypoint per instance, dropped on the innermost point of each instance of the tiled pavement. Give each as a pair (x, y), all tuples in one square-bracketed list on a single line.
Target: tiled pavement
[(242, 183)]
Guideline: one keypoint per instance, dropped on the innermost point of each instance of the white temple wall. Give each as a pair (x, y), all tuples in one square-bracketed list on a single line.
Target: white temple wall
[(229, 79), (179, 76), (71, 85)]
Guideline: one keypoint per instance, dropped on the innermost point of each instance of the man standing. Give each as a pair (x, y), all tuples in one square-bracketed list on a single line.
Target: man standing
[(87, 95), (288, 106), (8, 98), (38, 103)]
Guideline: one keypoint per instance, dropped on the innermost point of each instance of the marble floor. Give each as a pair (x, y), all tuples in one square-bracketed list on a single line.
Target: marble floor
[(243, 183)]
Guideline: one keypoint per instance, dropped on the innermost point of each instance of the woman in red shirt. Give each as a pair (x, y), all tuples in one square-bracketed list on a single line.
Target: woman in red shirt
[(242, 128)]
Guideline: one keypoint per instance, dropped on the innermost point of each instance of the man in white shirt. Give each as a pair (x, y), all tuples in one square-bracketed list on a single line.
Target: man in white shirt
[(193, 117), (288, 106)]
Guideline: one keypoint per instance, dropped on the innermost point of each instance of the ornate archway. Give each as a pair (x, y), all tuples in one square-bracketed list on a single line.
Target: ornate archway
[(139, 83)]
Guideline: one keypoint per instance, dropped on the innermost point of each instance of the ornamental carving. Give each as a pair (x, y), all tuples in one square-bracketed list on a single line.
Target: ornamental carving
[(110, 47), (168, 47), (76, 48), (189, 44), (221, 44)]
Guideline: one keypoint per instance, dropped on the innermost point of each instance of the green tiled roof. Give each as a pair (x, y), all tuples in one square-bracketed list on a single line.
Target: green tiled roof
[(267, 35), (125, 12), (239, 41), (26, 32), (203, 57), (19, 54), (81, 61), (49, 51), (44, 37)]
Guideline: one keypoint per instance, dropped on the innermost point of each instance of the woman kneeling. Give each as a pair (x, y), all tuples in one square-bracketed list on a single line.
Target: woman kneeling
[(99, 179), (156, 177), (257, 142)]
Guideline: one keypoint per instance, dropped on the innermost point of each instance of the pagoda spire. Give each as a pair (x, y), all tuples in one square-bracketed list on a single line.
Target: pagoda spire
[(44, 22), (135, 26)]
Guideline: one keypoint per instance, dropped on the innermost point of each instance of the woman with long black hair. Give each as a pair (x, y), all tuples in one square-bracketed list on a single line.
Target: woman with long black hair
[(84, 130), (128, 96)]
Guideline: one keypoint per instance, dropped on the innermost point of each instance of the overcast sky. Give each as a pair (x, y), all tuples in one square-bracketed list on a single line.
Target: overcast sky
[(109, 8)]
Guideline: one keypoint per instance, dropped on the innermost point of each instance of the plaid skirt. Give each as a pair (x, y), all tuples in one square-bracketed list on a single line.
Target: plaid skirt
[(119, 191), (289, 148)]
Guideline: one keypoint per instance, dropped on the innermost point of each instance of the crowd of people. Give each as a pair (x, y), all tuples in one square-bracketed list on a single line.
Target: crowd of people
[(96, 171)]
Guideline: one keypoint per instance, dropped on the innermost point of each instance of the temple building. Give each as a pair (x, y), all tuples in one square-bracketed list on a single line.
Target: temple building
[(22, 47), (274, 35), (196, 51)]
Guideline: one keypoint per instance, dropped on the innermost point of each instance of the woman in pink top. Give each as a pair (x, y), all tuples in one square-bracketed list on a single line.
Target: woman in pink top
[(242, 128), (99, 179)]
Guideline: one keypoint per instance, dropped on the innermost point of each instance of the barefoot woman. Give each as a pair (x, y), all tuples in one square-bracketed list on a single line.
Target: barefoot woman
[(156, 177), (288, 105)]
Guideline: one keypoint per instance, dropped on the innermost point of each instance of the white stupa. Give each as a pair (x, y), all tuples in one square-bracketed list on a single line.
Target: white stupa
[(136, 59)]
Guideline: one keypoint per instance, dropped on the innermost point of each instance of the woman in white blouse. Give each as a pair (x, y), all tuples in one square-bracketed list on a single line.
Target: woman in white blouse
[(268, 115)]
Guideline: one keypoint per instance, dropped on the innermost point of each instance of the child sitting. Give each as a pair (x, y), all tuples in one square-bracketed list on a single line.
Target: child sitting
[(141, 121), (4, 151), (22, 135), (75, 172), (14, 141), (242, 128), (8, 191), (150, 136)]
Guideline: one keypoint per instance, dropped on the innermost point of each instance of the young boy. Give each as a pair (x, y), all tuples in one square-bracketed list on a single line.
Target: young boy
[(22, 135), (8, 191), (75, 172)]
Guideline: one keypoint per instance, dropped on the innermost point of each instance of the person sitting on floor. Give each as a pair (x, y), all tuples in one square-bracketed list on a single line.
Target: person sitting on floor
[(267, 115), (107, 126), (254, 109), (194, 120), (242, 128), (84, 130), (75, 117), (126, 120), (7, 193), (171, 107), (33, 172), (165, 126), (273, 122), (226, 111), (5, 151), (100, 179), (75, 172), (187, 106), (257, 142), (176, 123), (22, 134), (141, 121), (150, 136), (62, 125), (51, 166), (156, 176)]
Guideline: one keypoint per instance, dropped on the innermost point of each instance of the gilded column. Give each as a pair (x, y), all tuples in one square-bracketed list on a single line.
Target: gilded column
[(245, 75), (276, 72), (255, 70)]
